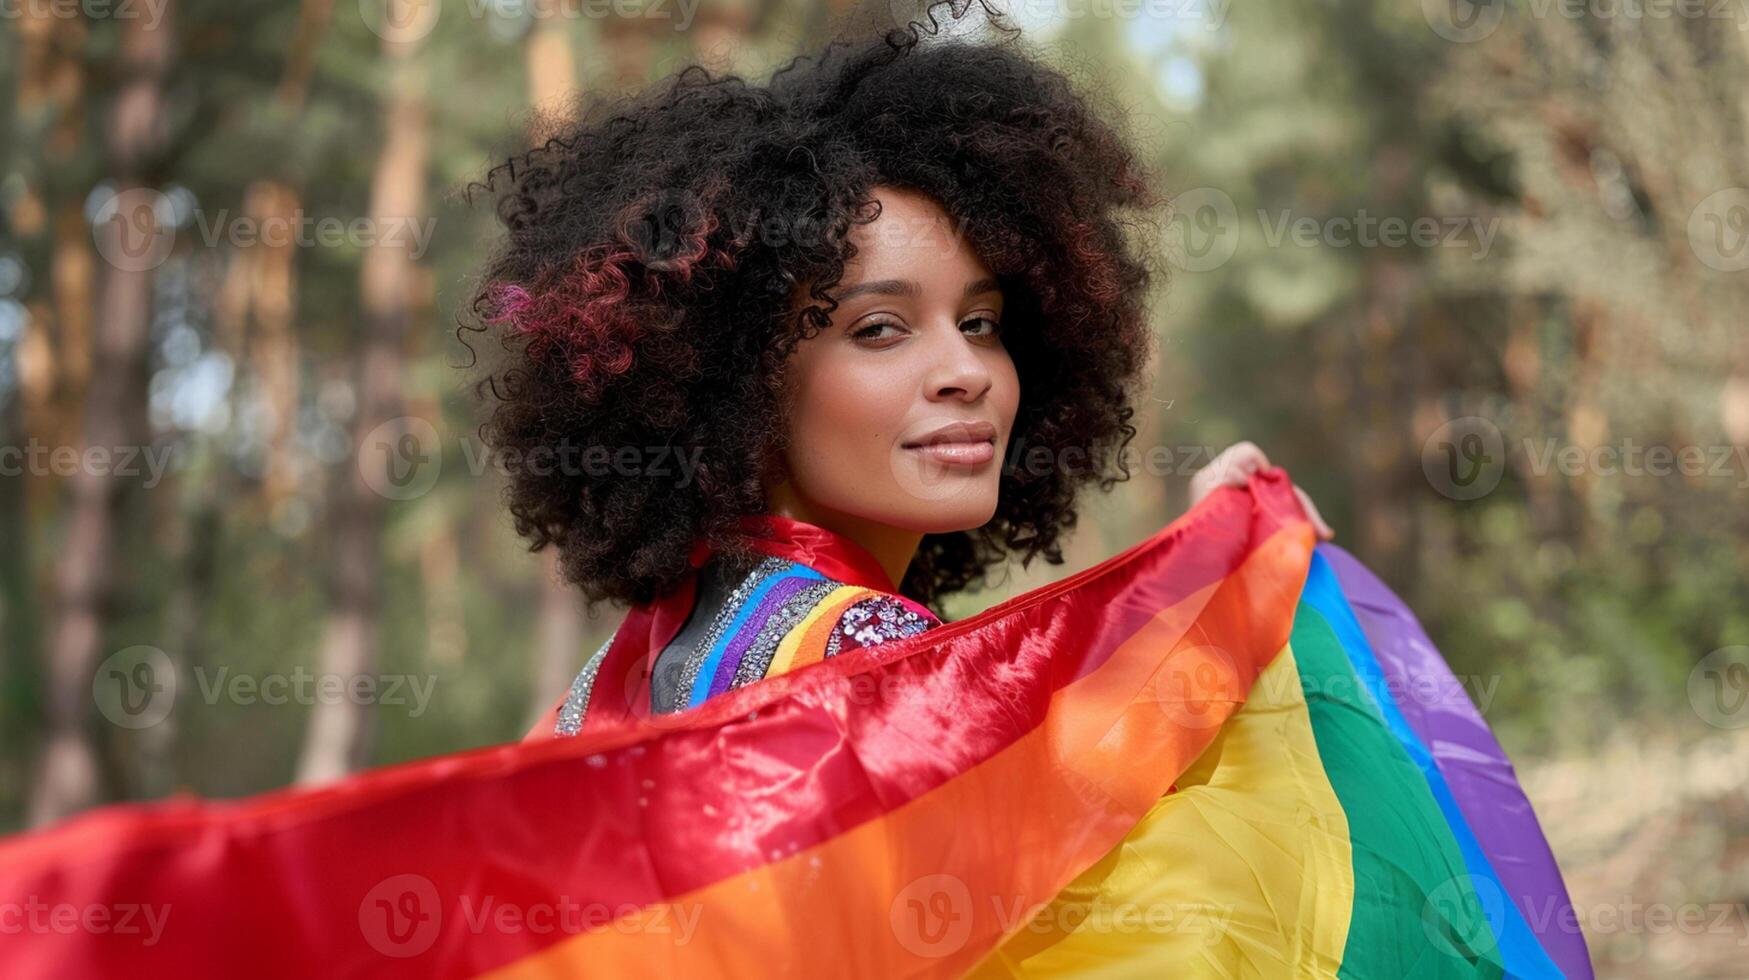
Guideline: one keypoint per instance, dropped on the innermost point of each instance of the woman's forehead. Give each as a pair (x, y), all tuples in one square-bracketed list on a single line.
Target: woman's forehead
[(914, 233)]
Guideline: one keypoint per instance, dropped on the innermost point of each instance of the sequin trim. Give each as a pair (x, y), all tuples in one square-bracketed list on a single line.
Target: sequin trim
[(873, 621), (577, 699)]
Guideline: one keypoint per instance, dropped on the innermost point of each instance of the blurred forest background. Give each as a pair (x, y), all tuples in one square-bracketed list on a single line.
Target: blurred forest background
[(234, 235)]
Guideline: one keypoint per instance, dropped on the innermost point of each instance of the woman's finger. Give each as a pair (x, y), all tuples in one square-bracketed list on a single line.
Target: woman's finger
[(1234, 466), (1231, 467)]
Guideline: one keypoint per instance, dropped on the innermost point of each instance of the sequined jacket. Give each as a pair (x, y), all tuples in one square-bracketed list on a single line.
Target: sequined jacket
[(809, 594)]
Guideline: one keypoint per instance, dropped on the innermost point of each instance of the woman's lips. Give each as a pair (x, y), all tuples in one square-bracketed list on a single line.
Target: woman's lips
[(958, 453), (970, 442)]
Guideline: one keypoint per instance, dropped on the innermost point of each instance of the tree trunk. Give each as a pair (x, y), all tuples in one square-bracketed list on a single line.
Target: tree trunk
[(66, 777), (338, 738), (273, 290)]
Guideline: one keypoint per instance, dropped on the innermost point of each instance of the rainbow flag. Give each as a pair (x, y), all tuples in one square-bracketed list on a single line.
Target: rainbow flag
[(1222, 753)]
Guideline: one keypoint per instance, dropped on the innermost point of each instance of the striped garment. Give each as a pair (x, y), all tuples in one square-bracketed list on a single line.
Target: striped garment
[(783, 615)]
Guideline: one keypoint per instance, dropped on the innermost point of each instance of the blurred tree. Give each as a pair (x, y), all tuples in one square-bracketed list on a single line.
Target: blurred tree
[(1625, 236), (54, 359), (1561, 305), (338, 737), (137, 134)]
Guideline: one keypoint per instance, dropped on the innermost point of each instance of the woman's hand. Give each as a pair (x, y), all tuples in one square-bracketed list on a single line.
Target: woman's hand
[(1233, 468)]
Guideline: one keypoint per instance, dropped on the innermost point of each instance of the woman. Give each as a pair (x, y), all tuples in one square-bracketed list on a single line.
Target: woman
[(890, 305)]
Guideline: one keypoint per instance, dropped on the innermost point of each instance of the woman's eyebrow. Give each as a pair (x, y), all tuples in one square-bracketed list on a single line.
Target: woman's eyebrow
[(882, 287), (909, 287), (982, 286)]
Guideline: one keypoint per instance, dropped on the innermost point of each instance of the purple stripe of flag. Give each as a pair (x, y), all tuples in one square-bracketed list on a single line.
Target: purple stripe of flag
[(1476, 769)]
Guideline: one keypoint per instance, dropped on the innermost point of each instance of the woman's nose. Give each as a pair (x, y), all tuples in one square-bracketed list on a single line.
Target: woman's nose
[(956, 370)]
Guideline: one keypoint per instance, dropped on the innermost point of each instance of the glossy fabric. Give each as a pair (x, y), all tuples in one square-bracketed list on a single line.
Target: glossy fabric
[(1166, 765)]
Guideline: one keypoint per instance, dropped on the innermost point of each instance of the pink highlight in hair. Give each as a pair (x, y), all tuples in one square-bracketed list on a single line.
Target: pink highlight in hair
[(586, 313)]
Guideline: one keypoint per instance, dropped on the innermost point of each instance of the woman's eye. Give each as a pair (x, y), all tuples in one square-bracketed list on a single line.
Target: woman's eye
[(982, 326), (874, 332)]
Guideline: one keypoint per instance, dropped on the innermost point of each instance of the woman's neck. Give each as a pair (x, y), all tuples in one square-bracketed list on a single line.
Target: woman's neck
[(893, 547)]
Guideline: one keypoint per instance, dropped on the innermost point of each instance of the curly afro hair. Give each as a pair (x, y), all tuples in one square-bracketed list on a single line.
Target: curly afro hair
[(665, 253)]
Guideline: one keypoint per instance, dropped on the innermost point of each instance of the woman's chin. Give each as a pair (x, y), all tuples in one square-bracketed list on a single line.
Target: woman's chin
[(959, 512)]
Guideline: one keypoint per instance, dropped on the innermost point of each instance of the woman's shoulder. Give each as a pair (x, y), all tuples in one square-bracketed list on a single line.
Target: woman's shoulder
[(756, 620), (779, 615)]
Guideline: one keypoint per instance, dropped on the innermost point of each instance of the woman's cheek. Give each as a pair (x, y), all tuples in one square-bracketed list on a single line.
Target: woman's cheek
[(851, 421)]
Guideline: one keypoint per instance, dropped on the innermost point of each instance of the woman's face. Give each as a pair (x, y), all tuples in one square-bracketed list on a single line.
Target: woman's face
[(900, 411)]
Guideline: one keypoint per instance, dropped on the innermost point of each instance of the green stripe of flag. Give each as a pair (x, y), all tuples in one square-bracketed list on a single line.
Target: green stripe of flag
[(1415, 912)]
